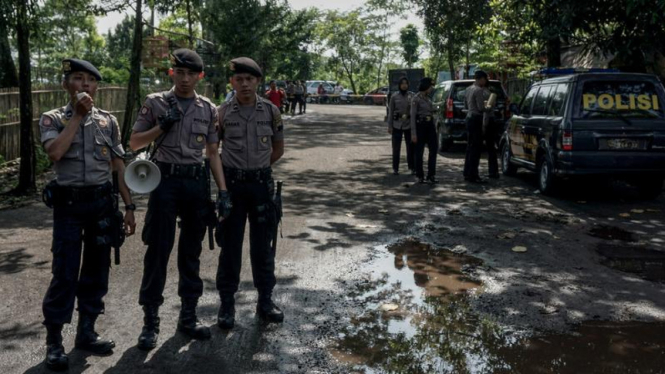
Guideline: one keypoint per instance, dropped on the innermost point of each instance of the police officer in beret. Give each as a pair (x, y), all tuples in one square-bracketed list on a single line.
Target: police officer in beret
[(399, 124), (251, 130), (84, 144), (182, 124), (423, 130)]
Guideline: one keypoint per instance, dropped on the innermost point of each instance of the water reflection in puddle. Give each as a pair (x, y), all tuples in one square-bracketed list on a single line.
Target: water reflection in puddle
[(417, 319)]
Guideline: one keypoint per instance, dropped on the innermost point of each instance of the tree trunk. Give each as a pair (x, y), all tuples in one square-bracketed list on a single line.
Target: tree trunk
[(451, 58), (554, 52), (26, 182), (133, 89), (189, 25), (467, 67), (8, 77)]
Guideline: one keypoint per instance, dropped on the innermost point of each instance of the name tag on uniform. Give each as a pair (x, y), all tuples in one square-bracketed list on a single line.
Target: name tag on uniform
[(264, 123), (201, 120), (231, 124)]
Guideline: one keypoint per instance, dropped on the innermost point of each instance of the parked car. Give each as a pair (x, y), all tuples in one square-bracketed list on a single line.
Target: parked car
[(345, 96), (313, 87), (376, 97), (449, 100), (594, 124)]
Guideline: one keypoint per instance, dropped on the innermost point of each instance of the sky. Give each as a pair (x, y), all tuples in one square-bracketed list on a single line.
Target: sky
[(104, 24)]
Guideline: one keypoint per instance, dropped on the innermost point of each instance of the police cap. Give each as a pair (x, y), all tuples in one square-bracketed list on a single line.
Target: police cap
[(246, 65), (186, 58), (72, 65), (479, 74)]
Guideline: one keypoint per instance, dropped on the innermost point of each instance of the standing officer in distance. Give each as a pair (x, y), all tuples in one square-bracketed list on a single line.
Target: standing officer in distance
[(252, 140), (181, 123), (84, 144), (423, 130), (399, 124), (476, 95)]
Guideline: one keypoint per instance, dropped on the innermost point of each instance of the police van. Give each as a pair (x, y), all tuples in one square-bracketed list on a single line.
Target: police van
[(590, 124)]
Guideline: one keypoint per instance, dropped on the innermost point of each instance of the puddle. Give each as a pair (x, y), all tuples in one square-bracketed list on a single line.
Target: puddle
[(612, 233), (416, 319), (644, 262)]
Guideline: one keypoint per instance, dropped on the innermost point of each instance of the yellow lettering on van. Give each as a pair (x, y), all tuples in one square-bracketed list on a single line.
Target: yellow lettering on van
[(619, 103), (643, 102), (588, 99), (654, 98), (605, 101), (633, 104)]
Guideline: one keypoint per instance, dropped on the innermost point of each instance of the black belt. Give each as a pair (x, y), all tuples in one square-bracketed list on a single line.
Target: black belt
[(397, 116), (82, 194), (181, 171), (241, 175), (425, 118)]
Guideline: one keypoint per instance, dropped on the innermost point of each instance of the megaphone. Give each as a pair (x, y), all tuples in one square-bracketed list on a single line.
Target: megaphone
[(142, 176)]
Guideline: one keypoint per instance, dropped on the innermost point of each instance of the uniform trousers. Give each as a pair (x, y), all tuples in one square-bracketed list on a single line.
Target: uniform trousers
[(251, 199), (397, 136), (426, 134), (184, 197), (474, 130), (76, 229)]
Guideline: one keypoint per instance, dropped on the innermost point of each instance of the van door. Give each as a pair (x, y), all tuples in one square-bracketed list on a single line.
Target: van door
[(532, 131), (623, 113), (518, 122)]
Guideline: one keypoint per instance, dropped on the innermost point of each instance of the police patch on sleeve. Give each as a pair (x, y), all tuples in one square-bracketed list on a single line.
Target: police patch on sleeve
[(46, 121), (145, 110), (103, 122)]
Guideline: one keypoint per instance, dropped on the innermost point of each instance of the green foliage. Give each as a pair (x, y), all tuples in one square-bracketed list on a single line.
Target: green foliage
[(42, 160), (410, 43)]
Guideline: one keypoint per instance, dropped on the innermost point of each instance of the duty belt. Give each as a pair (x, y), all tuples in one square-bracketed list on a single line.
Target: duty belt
[(241, 175), (181, 171), (425, 118), (401, 116), (82, 194)]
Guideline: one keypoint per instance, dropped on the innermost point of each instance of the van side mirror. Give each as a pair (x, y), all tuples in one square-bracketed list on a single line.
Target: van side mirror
[(514, 109)]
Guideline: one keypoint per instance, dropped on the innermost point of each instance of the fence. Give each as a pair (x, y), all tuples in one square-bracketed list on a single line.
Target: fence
[(45, 98)]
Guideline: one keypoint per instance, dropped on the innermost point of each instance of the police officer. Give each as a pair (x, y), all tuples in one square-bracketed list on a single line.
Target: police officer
[(182, 124), (422, 121), (399, 124), (476, 95), (252, 140), (84, 144)]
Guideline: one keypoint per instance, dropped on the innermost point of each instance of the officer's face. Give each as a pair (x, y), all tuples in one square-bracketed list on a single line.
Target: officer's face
[(185, 80), (245, 86), (404, 86), (80, 81)]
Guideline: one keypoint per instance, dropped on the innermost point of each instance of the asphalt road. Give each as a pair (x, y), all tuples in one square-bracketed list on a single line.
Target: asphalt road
[(341, 202)]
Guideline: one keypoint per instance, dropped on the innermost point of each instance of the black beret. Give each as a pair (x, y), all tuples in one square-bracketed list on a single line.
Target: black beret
[(246, 65), (480, 74), (186, 58), (404, 79), (425, 84), (72, 65)]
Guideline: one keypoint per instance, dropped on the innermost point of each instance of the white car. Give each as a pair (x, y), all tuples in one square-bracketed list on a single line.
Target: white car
[(313, 87)]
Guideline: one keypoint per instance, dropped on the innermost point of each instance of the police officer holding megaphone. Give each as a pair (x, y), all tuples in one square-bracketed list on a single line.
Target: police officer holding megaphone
[(182, 124)]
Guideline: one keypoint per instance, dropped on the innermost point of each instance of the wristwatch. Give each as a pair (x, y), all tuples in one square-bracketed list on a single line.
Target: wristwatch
[(130, 207)]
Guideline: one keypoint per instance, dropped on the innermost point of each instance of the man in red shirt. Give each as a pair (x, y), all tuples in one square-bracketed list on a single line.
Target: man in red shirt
[(276, 96)]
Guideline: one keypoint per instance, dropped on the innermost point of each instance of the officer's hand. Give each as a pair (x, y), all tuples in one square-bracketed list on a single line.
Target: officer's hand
[(171, 117), (414, 139), (130, 223), (224, 205), (390, 130), (83, 105)]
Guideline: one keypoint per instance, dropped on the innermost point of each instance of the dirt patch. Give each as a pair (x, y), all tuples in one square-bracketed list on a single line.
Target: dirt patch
[(645, 262), (612, 233)]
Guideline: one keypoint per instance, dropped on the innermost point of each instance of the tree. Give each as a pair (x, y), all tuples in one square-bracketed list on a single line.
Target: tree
[(410, 44), (133, 89), (8, 77), (188, 9)]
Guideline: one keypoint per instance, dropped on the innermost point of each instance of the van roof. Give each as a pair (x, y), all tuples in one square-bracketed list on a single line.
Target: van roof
[(591, 76), (465, 81)]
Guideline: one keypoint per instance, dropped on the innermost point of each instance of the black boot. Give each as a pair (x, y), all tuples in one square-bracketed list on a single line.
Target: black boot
[(226, 318), (189, 324), (150, 333), (432, 180), (267, 310), (56, 359), (88, 340)]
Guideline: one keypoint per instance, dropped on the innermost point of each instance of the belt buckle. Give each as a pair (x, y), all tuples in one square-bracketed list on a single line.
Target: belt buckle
[(403, 116), (428, 118)]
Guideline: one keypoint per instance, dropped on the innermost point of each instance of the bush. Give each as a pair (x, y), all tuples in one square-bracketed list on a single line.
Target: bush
[(43, 162)]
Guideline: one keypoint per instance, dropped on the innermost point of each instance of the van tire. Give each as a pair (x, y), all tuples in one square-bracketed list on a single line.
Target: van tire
[(546, 179), (507, 167), (651, 188)]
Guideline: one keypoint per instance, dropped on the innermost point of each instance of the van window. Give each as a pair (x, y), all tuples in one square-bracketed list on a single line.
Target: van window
[(633, 99), (541, 100), (438, 94), (558, 99), (525, 109)]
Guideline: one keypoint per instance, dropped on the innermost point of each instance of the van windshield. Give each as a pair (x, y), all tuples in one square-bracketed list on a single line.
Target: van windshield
[(459, 90), (619, 99)]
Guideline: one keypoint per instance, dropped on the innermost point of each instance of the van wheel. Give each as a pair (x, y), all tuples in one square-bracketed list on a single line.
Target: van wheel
[(507, 168), (546, 178), (650, 189)]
